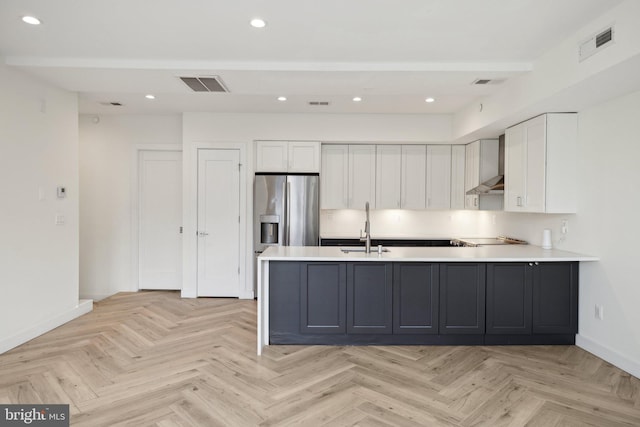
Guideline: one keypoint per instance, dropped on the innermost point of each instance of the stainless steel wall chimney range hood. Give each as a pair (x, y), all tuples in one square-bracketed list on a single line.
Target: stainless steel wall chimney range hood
[(494, 185)]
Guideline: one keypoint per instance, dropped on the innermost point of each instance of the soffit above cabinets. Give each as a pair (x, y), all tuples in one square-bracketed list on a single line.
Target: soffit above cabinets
[(391, 57)]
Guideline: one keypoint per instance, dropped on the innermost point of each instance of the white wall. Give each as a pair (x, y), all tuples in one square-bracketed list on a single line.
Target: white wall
[(38, 259), (106, 176)]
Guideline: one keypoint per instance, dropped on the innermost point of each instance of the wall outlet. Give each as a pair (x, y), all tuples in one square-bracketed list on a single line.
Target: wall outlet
[(598, 312), (564, 226)]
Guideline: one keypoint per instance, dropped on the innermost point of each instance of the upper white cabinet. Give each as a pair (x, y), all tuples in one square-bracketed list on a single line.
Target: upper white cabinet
[(481, 164), (388, 176), (438, 177), (414, 177), (540, 165), (348, 176), (457, 176), (287, 156), (362, 176)]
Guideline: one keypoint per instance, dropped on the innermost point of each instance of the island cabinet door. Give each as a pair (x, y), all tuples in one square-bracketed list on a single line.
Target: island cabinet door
[(322, 298), (462, 298), (509, 298), (369, 298), (555, 298), (415, 298)]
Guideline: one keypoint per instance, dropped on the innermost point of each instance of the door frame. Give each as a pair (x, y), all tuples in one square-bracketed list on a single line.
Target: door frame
[(190, 216), (135, 208)]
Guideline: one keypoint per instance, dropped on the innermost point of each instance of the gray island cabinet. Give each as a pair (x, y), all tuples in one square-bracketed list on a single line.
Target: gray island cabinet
[(409, 297)]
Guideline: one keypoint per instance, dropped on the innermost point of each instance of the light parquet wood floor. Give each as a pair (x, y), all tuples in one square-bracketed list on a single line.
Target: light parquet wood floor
[(153, 359)]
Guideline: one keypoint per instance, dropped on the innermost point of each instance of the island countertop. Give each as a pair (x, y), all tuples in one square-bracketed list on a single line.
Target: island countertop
[(491, 253), (495, 253)]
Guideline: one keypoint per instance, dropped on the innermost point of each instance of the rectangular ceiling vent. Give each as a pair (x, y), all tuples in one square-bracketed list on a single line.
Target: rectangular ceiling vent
[(595, 43), (487, 81), (205, 84), (315, 103)]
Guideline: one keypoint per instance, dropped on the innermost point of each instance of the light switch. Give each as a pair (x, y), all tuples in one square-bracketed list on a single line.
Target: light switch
[(60, 219), (61, 192)]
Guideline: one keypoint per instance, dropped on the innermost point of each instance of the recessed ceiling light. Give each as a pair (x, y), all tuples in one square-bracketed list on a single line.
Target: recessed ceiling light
[(258, 23), (282, 98), (357, 99), (150, 96), (31, 20), (429, 100)]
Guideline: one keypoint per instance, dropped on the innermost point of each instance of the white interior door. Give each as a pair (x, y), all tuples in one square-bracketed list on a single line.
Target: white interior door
[(218, 223), (160, 219)]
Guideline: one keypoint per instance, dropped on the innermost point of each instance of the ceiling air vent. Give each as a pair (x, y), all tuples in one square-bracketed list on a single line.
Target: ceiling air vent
[(205, 84), (595, 43), (314, 103), (481, 82), (112, 104)]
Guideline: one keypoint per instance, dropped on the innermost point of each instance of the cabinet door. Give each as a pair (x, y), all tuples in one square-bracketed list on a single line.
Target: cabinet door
[(284, 298), (415, 298), (471, 173), (322, 298), (271, 156), (514, 168), (369, 298), (388, 166), (457, 177), (462, 298), (555, 298), (334, 177), (304, 156), (535, 131), (362, 176), (438, 177), (414, 177), (509, 298)]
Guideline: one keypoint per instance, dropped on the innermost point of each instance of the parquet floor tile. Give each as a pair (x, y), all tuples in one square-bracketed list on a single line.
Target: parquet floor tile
[(154, 359)]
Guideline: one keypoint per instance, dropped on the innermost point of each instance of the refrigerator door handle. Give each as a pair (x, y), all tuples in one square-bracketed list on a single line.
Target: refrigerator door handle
[(288, 210)]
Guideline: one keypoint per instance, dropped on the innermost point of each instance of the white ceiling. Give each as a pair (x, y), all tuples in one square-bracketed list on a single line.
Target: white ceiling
[(392, 53)]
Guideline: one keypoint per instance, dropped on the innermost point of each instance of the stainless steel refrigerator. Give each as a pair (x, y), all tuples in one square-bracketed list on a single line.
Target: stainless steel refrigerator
[(286, 211)]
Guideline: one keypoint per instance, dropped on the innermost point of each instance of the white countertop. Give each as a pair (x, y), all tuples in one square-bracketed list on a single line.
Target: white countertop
[(495, 253)]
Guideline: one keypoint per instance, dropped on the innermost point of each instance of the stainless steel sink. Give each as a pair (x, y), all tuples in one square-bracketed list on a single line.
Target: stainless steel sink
[(361, 249)]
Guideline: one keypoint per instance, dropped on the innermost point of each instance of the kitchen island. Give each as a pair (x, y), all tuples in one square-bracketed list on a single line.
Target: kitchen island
[(511, 294)]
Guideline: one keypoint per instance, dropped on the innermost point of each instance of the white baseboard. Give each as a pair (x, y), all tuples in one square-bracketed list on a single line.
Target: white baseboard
[(95, 297), (84, 306), (610, 355), (246, 295)]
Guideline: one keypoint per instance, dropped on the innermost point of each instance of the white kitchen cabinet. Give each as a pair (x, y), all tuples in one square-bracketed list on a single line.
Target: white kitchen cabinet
[(334, 177), (540, 164), (388, 176), (481, 164), (438, 177), (457, 176), (287, 156), (348, 176), (362, 176), (414, 177)]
